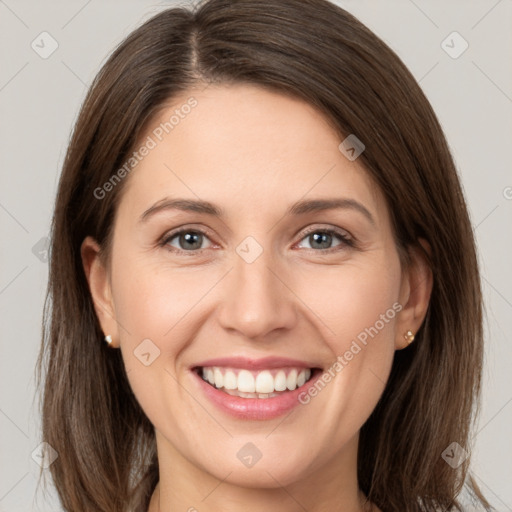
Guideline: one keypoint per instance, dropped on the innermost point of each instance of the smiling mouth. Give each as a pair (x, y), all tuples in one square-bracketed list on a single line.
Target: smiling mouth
[(256, 384)]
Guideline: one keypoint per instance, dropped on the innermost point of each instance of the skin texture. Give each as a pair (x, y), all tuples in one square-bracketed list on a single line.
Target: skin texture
[(254, 153)]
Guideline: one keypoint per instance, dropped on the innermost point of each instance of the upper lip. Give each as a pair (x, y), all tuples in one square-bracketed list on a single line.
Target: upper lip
[(255, 364)]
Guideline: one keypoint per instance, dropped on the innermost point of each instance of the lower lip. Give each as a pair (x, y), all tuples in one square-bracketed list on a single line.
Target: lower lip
[(255, 408)]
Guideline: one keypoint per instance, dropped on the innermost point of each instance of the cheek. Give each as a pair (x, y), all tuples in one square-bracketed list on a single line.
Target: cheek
[(152, 301), (159, 310), (153, 309), (357, 307), (352, 300)]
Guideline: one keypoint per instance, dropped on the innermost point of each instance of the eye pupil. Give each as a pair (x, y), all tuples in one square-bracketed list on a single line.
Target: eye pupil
[(324, 239), (192, 238), (191, 241)]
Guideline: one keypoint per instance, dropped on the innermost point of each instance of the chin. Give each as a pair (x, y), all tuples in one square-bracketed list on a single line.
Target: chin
[(274, 470)]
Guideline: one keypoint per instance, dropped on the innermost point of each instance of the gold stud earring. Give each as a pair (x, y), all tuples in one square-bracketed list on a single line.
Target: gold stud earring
[(409, 337), (108, 339)]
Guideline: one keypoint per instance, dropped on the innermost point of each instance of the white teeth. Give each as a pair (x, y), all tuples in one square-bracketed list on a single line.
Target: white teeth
[(235, 392), (246, 382), (230, 380), (219, 379), (253, 384), (280, 381), (264, 382), (291, 380), (209, 376)]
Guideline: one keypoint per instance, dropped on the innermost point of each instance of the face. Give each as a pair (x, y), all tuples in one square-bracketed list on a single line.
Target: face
[(258, 289)]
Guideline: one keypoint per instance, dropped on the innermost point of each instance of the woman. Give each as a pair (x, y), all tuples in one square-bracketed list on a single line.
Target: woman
[(202, 351)]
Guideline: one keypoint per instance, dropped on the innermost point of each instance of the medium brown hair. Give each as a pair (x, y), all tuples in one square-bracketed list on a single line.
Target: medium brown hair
[(316, 51)]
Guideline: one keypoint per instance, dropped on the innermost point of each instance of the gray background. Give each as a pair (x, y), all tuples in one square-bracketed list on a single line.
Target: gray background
[(39, 101)]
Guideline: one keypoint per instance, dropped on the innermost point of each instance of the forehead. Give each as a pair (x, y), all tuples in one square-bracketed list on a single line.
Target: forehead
[(244, 147)]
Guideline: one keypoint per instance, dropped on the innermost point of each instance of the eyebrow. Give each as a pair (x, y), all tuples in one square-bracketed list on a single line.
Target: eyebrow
[(299, 208)]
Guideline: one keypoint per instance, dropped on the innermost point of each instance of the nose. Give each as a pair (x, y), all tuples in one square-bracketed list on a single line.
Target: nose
[(257, 299)]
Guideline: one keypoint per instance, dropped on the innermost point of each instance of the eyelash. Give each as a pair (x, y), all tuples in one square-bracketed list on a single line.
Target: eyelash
[(346, 240)]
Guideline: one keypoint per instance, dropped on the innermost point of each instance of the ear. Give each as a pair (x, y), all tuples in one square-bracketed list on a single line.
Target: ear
[(415, 292), (100, 288)]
